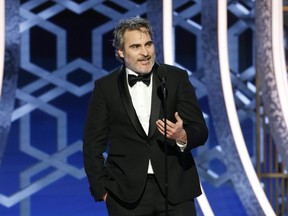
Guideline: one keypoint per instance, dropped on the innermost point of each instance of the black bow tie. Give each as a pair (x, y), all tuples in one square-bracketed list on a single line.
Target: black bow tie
[(132, 79)]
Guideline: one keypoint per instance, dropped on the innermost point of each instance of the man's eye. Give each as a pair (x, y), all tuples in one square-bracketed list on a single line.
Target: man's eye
[(149, 44), (134, 47)]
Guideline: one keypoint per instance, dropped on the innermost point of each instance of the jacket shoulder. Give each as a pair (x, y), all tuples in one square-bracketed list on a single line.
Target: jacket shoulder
[(109, 76), (173, 70)]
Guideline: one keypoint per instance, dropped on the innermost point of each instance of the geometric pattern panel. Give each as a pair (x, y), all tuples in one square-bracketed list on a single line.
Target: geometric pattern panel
[(65, 46)]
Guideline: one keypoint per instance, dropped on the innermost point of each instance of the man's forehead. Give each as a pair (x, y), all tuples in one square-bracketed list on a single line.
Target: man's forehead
[(141, 30), (136, 35)]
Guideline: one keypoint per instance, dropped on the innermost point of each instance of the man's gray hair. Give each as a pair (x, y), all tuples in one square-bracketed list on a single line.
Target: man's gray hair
[(129, 24)]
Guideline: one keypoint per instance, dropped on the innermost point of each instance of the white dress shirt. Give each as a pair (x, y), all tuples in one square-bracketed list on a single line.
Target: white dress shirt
[(141, 96)]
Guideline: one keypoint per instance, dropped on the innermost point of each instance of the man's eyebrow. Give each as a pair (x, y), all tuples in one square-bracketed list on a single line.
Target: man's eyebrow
[(138, 44), (135, 44)]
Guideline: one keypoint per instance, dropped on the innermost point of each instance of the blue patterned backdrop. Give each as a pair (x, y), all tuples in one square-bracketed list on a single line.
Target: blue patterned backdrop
[(63, 46)]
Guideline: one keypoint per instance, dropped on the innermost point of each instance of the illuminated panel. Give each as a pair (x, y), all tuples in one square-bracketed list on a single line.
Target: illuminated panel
[(2, 42), (232, 113), (168, 40), (204, 204), (279, 56)]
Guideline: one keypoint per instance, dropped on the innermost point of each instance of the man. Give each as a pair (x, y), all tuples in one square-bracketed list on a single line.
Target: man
[(125, 119)]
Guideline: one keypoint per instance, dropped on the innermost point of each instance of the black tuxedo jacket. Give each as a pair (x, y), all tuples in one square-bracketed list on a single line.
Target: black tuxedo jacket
[(112, 127)]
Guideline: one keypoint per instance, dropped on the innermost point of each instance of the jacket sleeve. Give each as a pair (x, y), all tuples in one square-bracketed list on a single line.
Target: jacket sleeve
[(189, 110), (95, 142)]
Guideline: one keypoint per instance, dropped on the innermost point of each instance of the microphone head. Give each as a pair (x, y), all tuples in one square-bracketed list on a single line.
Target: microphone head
[(163, 79), (162, 90)]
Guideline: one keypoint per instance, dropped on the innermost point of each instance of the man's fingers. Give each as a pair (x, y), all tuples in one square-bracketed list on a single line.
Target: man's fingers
[(162, 126), (170, 128)]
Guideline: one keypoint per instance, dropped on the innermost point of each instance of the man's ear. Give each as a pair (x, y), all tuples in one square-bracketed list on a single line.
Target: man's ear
[(120, 53)]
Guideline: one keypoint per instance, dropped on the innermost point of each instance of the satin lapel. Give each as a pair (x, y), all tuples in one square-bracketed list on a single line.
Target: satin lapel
[(156, 101), (127, 102)]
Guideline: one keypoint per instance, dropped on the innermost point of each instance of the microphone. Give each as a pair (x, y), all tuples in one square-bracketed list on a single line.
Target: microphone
[(162, 94), (162, 89), (163, 86), (164, 103)]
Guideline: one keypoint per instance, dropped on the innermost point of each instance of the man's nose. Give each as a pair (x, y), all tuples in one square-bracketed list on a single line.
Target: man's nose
[(144, 51)]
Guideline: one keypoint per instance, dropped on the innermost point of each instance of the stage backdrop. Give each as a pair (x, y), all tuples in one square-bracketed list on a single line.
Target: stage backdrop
[(63, 47)]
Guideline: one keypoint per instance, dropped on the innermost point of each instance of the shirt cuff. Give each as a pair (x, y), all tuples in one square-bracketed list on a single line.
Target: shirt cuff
[(181, 145)]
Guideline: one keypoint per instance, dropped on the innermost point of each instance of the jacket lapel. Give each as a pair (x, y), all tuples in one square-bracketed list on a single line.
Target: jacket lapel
[(158, 73), (127, 102)]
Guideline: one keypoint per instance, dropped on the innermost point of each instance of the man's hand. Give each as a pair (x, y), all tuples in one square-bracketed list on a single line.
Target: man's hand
[(174, 130)]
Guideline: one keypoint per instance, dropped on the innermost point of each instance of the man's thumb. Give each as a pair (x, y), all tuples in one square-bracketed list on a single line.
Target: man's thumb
[(177, 117)]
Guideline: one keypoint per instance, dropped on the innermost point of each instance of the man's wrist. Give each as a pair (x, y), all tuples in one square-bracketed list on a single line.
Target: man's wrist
[(180, 142)]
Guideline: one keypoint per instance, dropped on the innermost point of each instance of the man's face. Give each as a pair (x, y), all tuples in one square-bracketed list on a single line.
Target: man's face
[(138, 52)]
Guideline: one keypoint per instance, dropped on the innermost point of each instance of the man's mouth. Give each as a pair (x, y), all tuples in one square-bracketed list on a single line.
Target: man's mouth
[(144, 61)]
